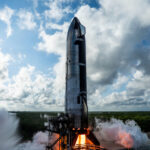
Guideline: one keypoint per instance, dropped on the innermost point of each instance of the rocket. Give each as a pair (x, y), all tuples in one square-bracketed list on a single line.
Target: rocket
[(72, 126), (76, 88)]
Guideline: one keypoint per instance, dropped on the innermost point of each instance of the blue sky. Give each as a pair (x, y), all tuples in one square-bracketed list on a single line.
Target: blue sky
[(33, 51)]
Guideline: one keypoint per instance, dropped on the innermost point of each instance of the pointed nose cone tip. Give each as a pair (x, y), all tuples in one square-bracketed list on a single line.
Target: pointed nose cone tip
[(75, 19), (76, 24)]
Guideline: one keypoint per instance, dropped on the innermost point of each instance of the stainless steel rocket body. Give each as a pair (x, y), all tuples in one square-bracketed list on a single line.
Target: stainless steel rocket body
[(74, 121), (76, 89)]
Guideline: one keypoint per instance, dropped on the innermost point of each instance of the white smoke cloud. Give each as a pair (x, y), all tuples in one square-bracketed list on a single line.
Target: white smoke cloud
[(127, 134), (8, 127), (39, 142), (9, 140), (115, 131)]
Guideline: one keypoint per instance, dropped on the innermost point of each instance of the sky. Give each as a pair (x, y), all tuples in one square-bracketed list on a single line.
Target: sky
[(33, 53)]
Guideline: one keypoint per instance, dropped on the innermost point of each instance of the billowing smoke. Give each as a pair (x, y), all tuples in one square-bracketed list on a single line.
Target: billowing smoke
[(8, 127), (127, 134), (38, 143), (9, 140)]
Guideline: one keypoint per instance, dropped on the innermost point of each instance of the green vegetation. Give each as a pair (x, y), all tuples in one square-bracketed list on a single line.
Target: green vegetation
[(31, 122)]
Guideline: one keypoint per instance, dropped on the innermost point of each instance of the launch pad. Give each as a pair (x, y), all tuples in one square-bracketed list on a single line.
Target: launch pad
[(70, 138), (72, 126)]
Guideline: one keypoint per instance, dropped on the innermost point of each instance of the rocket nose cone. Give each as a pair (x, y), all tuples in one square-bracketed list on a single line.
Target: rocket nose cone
[(75, 24), (76, 20)]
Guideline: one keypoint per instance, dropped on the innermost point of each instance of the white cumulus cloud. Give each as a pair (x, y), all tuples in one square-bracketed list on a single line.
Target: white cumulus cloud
[(5, 15), (118, 61), (4, 62), (115, 32), (26, 20), (56, 9)]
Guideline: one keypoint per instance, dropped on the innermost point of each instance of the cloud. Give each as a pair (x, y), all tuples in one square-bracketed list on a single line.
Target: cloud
[(30, 90), (135, 96), (4, 62), (139, 88), (8, 130), (26, 20), (57, 26), (121, 80), (118, 55), (57, 10), (55, 43), (116, 49), (5, 15), (35, 6)]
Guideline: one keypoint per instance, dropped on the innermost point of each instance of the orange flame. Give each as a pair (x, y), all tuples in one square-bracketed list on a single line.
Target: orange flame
[(81, 139), (125, 139), (54, 137)]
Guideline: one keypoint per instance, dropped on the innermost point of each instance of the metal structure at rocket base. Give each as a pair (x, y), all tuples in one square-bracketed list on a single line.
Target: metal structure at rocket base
[(72, 126)]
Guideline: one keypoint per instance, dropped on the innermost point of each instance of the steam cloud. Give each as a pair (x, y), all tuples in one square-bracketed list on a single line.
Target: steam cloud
[(127, 134), (9, 140), (8, 126), (38, 143)]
